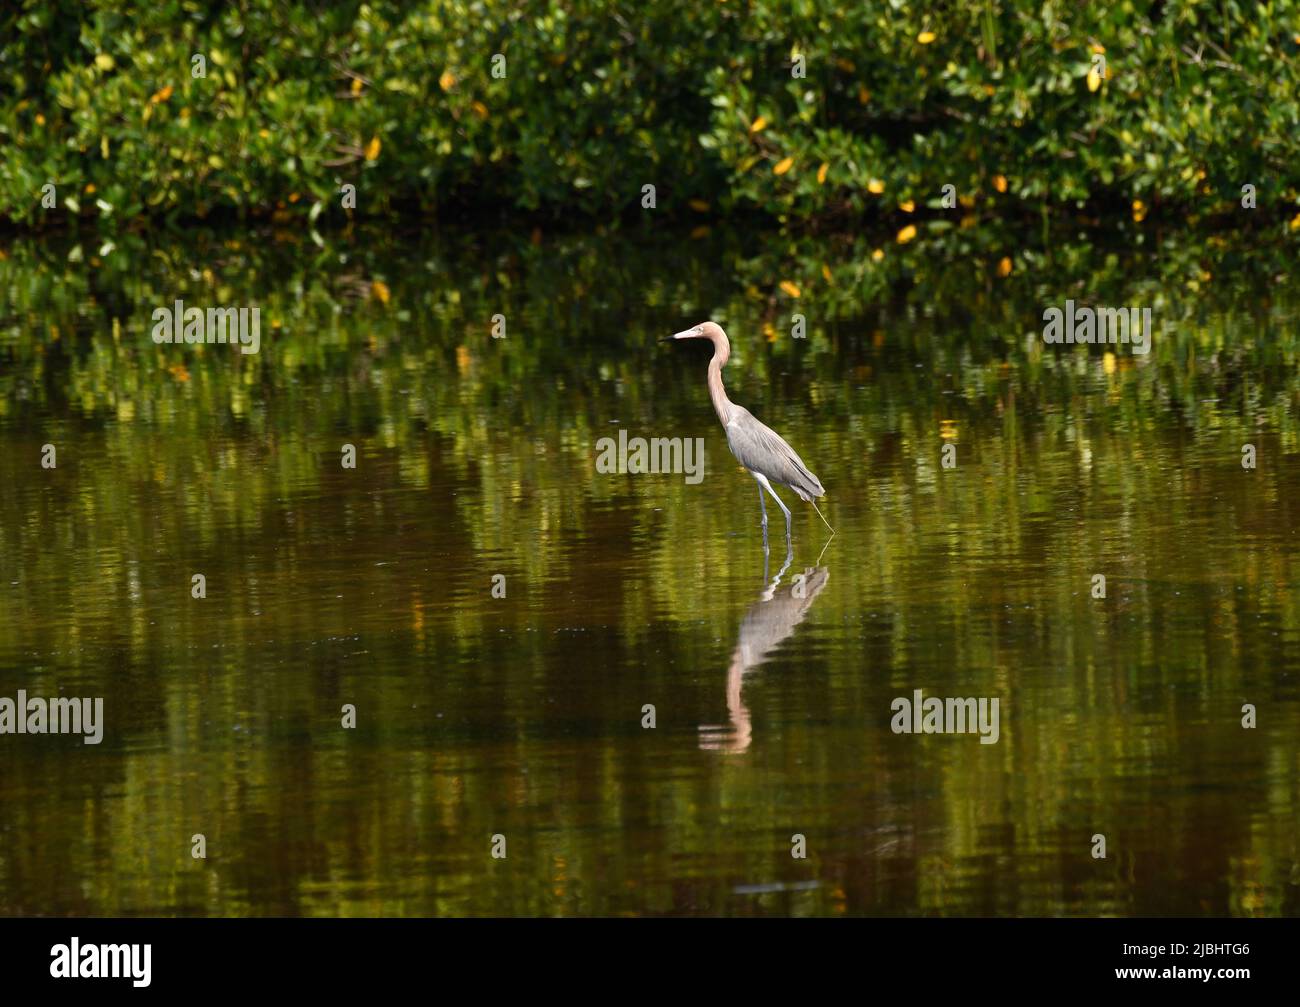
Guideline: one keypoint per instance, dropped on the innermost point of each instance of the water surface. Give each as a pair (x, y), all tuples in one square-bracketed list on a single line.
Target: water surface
[(522, 715)]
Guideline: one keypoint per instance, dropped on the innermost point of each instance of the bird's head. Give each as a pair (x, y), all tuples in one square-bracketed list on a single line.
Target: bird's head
[(713, 333), (705, 330)]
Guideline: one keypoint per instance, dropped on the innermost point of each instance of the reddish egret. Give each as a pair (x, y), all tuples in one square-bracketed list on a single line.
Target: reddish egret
[(756, 446)]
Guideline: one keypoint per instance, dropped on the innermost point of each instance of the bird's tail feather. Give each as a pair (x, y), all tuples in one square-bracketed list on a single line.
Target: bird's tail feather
[(812, 488)]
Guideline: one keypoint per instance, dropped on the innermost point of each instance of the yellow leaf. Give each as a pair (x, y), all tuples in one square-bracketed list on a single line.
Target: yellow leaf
[(380, 289), (784, 165), (162, 95), (90, 189), (1295, 222), (462, 359), (907, 234), (790, 288), (1000, 183), (104, 61), (876, 185), (1108, 363), (926, 37), (864, 95), (1004, 267), (372, 148), (1139, 211), (758, 125), (480, 109), (40, 119), (1094, 79), (447, 81), (907, 206), (103, 147), (826, 272), (699, 206), (821, 173), (1095, 47), (877, 255), (846, 65), (356, 85)]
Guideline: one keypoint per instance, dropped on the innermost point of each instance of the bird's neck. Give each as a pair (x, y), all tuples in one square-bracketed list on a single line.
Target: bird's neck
[(721, 404)]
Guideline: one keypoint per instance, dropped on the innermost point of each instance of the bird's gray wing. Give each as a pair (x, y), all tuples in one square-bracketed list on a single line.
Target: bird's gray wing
[(761, 449)]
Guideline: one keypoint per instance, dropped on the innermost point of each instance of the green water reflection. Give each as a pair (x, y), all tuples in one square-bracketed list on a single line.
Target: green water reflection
[(522, 715)]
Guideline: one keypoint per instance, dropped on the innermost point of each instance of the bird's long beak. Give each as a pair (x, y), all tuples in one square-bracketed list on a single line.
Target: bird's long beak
[(685, 334)]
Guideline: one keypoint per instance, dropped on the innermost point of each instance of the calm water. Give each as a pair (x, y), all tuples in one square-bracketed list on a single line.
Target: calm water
[(522, 716)]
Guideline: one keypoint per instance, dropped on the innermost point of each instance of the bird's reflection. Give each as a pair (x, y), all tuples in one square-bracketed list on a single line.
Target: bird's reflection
[(767, 623)]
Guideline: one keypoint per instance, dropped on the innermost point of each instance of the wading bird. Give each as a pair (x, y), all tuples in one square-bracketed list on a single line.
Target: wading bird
[(756, 446)]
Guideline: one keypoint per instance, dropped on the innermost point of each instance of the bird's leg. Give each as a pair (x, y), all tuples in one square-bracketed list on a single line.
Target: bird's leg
[(785, 510), (763, 505), (766, 485)]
